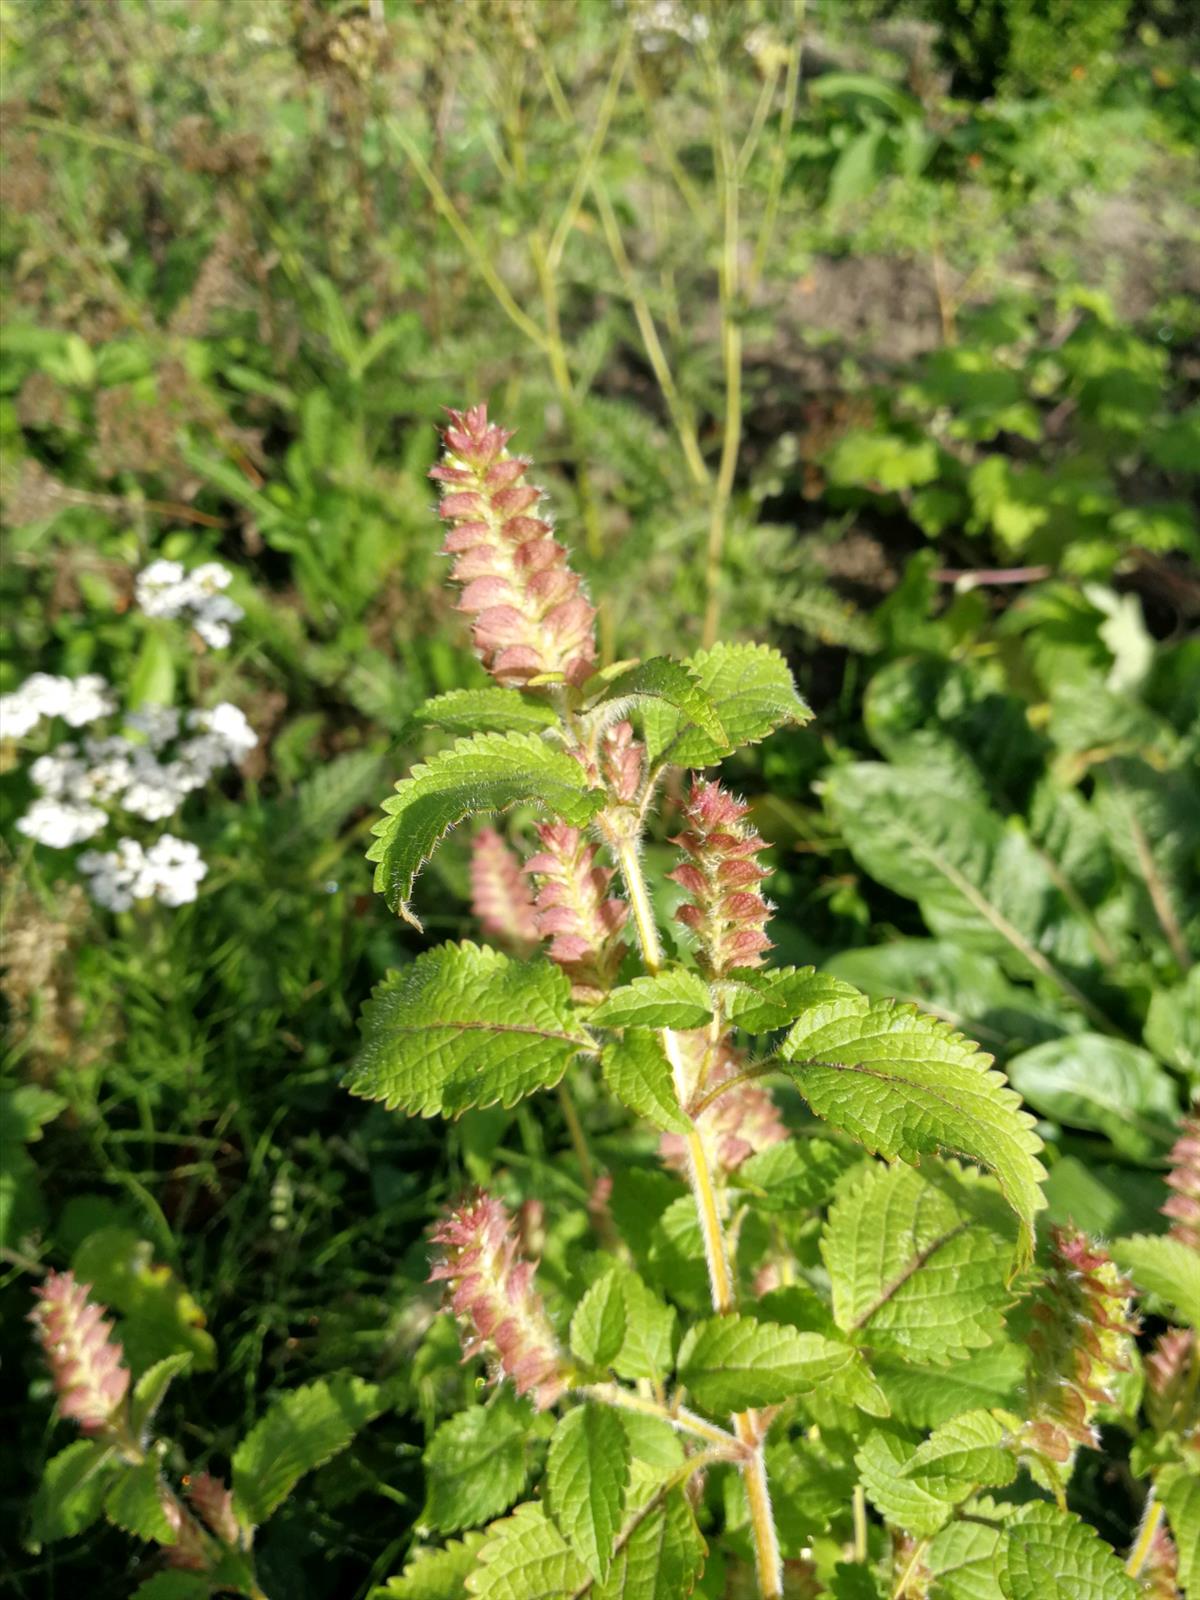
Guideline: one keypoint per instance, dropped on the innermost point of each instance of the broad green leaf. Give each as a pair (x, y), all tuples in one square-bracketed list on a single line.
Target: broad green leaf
[(962, 1559), (795, 1175), (488, 710), (967, 1453), (732, 1363), (903, 1502), (152, 678), (1180, 1491), (158, 1316), (1102, 1198), (926, 1396), (905, 1085), (465, 1026), (676, 997), (677, 1260), (475, 1466), (526, 1558), (71, 1492), (598, 1325), (435, 1574), (673, 687), (489, 772), (299, 1431), (1165, 1267), (760, 1002), (750, 686), (25, 1111), (151, 1388), (649, 1330), (1087, 1080), (810, 1484), (917, 1260), (637, 1071), (174, 1586), (587, 1476), (134, 1503), (1173, 1025), (662, 1552), (1054, 1555)]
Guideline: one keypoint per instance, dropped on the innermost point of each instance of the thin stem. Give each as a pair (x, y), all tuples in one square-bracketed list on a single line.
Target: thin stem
[(909, 1572), (591, 155), (860, 1523), (766, 230), (1151, 1520), (612, 1394), (578, 1138)]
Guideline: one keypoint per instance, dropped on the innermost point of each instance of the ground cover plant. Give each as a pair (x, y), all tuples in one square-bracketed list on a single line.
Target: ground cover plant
[(856, 344)]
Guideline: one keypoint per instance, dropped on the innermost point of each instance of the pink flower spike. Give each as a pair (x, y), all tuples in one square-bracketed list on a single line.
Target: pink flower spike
[(1183, 1179), (491, 1291), (531, 616), (500, 896), (575, 911), (83, 1357), (721, 873), (214, 1502)]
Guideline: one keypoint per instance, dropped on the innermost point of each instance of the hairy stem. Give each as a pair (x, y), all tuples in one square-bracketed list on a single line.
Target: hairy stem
[(746, 1423), (611, 1394), (1151, 1518)]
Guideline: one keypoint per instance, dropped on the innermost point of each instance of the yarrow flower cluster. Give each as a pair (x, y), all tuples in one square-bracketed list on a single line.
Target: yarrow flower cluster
[(84, 1358), (166, 589), (43, 696), (490, 1290), (531, 616), (170, 871)]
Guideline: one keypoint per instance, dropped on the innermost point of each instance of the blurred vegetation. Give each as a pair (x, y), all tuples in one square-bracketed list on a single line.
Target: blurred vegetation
[(870, 329)]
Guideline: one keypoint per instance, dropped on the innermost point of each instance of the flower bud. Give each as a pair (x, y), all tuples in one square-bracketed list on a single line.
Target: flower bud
[(1168, 1368), (83, 1357), (490, 1290), (621, 761), (575, 911), (726, 912), (1183, 1207), (530, 613), (734, 1125), (190, 1552), (213, 1500), (500, 896)]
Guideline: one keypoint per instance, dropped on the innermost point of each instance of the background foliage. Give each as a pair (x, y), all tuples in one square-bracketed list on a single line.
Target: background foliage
[(884, 349)]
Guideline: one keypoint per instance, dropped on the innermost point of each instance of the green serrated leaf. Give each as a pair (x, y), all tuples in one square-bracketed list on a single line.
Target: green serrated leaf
[(72, 1489), (489, 772), (475, 1466), (968, 1453), (962, 1560), (1179, 1488), (925, 1396), (435, 1574), (810, 1484), (905, 1085), (1108, 1086), (917, 1260), (1165, 1267), (733, 1363), (903, 1502), (485, 711), (637, 1071), (1054, 1555), (300, 1431), (151, 1388), (159, 1317), (795, 1175), (465, 1026), (662, 1552), (674, 687), (587, 1476), (134, 1503), (649, 1330), (761, 1001), (526, 1558), (598, 1325), (750, 687), (676, 997)]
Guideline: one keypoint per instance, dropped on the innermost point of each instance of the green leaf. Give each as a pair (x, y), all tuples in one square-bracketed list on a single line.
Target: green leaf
[(1165, 1267), (905, 1085), (917, 1261), (159, 1317), (1054, 1555), (967, 1453), (475, 1466), (927, 1395), (661, 1556), (676, 997), (649, 1330), (903, 1502), (435, 1574), (637, 1071), (174, 1586), (151, 1388), (1173, 1025), (300, 1431), (598, 1325), (795, 1175), (1179, 1488), (487, 773), (760, 1002), (675, 688), (485, 711), (72, 1490), (962, 1559), (1087, 1080), (733, 1363), (587, 1476), (526, 1558), (134, 1503), (152, 679), (811, 1482), (751, 687), (465, 1026)]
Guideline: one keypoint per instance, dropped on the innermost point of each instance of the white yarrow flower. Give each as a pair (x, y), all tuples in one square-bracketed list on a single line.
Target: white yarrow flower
[(77, 701), (170, 871), (59, 824), (164, 589)]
